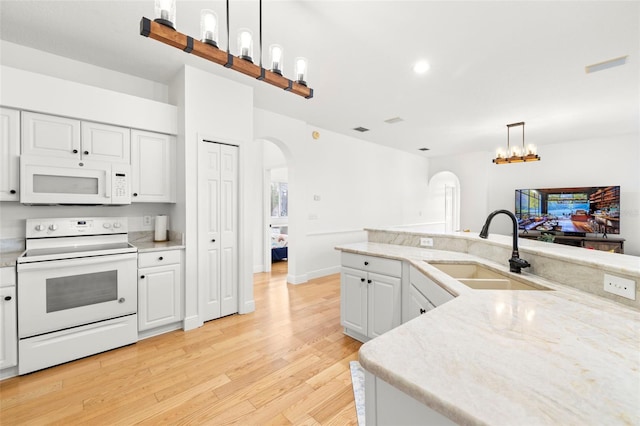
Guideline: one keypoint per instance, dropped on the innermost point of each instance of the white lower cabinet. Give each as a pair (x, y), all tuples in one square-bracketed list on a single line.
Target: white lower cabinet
[(423, 295), (159, 289), (8, 318), (370, 289)]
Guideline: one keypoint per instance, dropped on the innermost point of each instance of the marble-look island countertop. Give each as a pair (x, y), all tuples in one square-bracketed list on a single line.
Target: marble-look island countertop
[(502, 357)]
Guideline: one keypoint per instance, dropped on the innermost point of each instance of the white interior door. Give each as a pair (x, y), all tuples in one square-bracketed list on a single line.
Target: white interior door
[(218, 234)]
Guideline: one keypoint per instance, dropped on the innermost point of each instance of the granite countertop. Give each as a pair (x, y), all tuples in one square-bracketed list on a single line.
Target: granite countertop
[(511, 357), (149, 246)]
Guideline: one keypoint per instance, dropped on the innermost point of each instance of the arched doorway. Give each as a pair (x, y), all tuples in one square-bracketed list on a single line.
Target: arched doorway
[(444, 200)]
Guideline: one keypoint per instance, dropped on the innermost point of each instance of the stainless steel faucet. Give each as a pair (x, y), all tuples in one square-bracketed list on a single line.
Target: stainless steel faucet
[(515, 263)]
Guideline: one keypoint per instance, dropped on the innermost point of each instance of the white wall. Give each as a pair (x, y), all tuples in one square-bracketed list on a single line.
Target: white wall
[(339, 185), (37, 61), (598, 162), (220, 110)]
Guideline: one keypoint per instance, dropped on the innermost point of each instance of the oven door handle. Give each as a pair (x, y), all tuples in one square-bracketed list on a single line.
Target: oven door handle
[(77, 261)]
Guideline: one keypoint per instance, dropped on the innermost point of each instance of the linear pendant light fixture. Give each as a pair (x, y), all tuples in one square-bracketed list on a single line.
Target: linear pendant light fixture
[(163, 29), (515, 154)]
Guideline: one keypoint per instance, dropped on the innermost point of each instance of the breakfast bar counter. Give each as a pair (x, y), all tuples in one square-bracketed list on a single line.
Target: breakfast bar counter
[(501, 357)]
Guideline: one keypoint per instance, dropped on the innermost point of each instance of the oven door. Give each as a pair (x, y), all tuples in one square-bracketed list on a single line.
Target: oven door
[(59, 294)]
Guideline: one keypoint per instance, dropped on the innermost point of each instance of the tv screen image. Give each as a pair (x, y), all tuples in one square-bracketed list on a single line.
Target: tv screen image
[(593, 209)]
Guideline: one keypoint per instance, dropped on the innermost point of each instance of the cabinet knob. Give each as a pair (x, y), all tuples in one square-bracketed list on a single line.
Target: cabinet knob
[(75, 151), (213, 240), (13, 191), (86, 153), (362, 279), (368, 281), (7, 298), (366, 263), (161, 258), (141, 277), (422, 311), (135, 194)]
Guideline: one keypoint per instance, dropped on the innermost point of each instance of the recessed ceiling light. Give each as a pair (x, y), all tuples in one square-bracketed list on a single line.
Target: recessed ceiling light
[(421, 67), (423, 149), (361, 129)]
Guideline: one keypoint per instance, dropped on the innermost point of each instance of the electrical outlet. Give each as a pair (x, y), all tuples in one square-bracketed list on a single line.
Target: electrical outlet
[(146, 220), (426, 242), (620, 286)]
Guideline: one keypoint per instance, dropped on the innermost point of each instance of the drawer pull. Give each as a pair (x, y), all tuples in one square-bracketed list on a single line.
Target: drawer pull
[(213, 241), (161, 258), (142, 277), (362, 279), (423, 311), (13, 191), (366, 263), (7, 298)]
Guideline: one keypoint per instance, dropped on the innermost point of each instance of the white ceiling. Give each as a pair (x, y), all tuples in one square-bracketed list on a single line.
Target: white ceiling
[(492, 63)]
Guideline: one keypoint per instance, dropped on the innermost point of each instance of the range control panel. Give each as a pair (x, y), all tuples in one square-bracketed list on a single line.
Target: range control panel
[(70, 227)]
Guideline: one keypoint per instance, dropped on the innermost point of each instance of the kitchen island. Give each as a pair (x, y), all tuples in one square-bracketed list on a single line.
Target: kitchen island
[(504, 356)]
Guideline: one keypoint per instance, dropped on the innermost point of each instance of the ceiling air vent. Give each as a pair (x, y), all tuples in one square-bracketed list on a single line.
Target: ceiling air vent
[(423, 149), (393, 120), (361, 129), (615, 62)]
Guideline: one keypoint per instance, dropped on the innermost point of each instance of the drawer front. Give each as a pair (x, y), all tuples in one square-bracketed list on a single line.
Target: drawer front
[(7, 276), (158, 258), (432, 291), (378, 265)]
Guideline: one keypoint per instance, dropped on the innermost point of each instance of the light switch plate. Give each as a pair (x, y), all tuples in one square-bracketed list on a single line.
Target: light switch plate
[(620, 286)]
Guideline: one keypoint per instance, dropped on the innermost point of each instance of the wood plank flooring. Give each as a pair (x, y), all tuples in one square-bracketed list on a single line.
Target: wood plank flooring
[(286, 363)]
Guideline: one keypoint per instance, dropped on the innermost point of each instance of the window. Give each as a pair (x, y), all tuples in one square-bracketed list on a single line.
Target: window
[(279, 199)]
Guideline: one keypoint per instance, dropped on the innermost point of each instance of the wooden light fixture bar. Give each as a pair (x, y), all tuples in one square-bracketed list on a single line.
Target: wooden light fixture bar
[(510, 156), (171, 37)]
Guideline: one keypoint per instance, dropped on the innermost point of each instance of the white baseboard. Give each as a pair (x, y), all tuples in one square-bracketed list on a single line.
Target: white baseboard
[(248, 307), (192, 322)]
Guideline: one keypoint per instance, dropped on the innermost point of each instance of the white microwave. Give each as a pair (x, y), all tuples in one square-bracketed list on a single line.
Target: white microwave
[(51, 180)]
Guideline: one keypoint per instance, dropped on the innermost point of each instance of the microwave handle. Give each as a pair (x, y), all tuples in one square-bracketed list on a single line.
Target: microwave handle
[(107, 185)]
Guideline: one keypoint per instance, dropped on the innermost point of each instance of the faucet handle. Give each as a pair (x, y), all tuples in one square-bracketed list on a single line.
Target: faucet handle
[(516, 264)]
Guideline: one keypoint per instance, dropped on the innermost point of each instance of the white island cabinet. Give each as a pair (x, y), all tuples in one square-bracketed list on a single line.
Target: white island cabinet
[(159, 290), (423, 295), (370, 289)]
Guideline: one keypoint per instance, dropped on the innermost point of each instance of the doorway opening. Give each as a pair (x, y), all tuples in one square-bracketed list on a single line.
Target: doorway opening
[(276, 208), (444, 200)]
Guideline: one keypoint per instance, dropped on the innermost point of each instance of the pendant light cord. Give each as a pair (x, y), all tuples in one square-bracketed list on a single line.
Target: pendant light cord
[(228, 36), (260, 33)]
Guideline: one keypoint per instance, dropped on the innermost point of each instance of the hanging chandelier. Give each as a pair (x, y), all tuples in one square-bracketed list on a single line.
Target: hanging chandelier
[(162, 28), (515, 154)]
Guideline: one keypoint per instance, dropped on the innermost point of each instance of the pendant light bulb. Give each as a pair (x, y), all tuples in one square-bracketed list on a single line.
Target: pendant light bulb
[(277, 54), (301, 70), (245, 44), (166, 12), (209, 27)]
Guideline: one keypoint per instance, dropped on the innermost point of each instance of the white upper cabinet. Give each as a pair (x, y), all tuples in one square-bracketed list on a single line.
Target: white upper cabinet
[(10, 154), (152, 167), (103, 142), (52, 136)]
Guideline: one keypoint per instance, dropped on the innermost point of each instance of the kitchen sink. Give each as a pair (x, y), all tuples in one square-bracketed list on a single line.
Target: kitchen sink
[(483, 278)]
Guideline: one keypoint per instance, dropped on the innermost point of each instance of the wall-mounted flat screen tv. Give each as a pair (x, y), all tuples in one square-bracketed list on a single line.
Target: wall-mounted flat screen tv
[(594, 209)]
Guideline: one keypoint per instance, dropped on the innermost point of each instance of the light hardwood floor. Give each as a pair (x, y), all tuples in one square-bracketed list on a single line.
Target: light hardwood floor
[(286, 363)]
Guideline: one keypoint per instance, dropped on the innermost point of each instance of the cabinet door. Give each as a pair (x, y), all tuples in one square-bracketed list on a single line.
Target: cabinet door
[(418, 304), (383, 304), (102, 142), (50, 136), (353, 300), (159, 296), (432, 291), (152, 167), (10, 154), (8, 328)]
